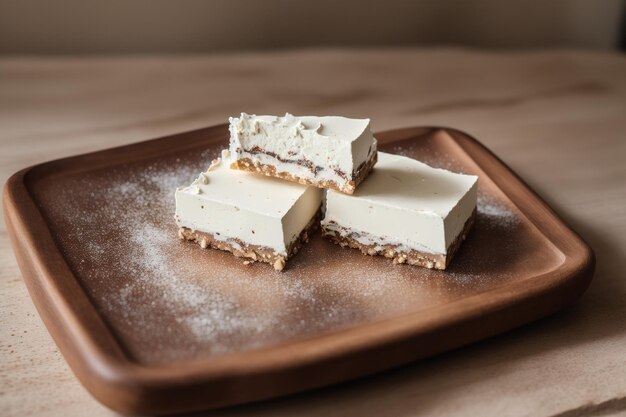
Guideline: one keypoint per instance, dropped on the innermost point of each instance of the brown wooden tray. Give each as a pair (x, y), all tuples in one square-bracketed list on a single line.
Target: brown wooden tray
[(151, 324)]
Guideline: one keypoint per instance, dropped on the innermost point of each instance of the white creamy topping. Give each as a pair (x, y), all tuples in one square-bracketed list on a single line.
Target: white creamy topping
[(406, 202), (308, 146), (255, 209)]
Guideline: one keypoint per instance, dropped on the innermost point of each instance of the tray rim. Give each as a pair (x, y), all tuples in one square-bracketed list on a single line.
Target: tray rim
[(99, 362)]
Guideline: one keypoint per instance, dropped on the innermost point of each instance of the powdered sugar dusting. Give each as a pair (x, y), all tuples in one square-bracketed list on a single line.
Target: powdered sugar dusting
[(171, 300), (496, 212)]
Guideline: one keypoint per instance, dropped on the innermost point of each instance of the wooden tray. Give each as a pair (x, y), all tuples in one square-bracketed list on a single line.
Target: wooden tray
[(151, 324)]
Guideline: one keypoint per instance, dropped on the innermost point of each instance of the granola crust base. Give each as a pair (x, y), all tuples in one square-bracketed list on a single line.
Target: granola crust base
[(412, 257), (348, 187), (253, 253)]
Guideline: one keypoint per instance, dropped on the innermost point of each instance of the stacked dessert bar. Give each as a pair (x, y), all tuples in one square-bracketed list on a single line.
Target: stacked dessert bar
[(379, 203)]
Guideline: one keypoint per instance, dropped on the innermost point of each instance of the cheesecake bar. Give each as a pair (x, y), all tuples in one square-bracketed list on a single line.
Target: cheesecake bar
[(327, 152), (259, 218), (406, 210)]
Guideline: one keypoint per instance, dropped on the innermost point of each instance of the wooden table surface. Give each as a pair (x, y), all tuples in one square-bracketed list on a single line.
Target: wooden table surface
[(558, 118)]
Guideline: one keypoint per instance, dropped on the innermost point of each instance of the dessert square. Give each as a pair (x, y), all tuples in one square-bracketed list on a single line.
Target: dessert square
[(255, 217), (406, 210), (327, 152)]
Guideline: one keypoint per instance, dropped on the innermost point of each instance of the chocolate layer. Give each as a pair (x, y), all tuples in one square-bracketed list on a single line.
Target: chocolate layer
[(411, 257), (348, 187), (255, 253)]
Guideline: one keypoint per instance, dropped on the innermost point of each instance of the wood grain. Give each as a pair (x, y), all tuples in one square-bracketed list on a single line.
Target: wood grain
[(556, 117), (510, 276)]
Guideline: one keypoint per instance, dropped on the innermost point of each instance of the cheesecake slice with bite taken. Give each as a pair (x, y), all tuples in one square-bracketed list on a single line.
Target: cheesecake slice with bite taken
[(259, 218), (327, 152), (405, 210)]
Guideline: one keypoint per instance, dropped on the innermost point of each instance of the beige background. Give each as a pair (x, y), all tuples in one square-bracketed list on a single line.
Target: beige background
[(558, 118), (166, 26)]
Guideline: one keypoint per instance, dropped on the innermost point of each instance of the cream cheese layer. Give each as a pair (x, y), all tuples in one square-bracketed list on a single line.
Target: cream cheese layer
[(329, 148), (407, 203), (251, 208)]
